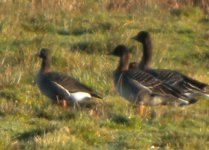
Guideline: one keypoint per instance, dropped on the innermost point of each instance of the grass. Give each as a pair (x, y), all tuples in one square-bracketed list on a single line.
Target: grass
[(29, 121)]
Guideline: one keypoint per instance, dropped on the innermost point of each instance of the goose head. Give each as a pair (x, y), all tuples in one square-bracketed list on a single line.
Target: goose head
[(120, 51), (142, 36), (44, 53)]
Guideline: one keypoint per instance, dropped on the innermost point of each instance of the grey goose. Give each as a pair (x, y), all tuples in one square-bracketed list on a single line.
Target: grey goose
[(60, 87), (140, 87), (184, 83)]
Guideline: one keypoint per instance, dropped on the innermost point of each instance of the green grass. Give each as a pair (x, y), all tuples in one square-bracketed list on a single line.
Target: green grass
[(28, 120)]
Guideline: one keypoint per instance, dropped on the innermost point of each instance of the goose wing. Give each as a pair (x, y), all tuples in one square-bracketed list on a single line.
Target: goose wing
[(168, 76), (195, 85), (155, 84), (183, 82), (70, 83)]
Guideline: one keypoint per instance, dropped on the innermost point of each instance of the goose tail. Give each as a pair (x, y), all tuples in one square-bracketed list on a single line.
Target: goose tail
[(96, 95), (196, 85), (183, 98)]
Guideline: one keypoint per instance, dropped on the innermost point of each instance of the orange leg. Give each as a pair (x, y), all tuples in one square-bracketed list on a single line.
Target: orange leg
[(141, 110), (64, 103)]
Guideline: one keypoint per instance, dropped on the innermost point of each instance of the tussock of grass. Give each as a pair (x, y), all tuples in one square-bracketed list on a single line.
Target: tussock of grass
[(32, 133), (9, 95)]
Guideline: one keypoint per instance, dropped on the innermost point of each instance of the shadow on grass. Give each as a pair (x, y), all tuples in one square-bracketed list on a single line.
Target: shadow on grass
[(88, 47), (189, 12), (74, 32), (176, 12), (56, 112), (80, 31), (25, 136), (62, 116), (120, 119), (8, 95), (2, 114)]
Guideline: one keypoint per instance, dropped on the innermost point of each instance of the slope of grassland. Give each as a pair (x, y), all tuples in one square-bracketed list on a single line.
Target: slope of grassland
[(80, 40)]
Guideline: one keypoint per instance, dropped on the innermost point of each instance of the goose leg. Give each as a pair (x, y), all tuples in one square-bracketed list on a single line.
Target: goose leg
[(76, 105), (64, 103), (58, 102), (141, 109)]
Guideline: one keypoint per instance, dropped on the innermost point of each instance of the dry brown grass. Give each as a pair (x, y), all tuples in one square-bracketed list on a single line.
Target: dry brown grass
[(129, 5), (40, 6), (72, 5)]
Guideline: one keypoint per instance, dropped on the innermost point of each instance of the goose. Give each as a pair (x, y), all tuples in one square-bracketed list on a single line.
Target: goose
[(60, 87), (139, 87), (185, 84)]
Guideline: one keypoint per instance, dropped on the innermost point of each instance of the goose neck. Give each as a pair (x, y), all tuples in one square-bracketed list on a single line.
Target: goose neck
[(45, 66), (147, 54), (123, 63)]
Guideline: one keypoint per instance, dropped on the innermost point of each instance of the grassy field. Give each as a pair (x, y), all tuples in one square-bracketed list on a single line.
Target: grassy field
[(80, 38)]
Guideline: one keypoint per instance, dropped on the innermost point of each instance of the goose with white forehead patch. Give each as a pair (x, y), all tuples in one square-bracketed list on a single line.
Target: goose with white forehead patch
[(140, 87), (59, 87)]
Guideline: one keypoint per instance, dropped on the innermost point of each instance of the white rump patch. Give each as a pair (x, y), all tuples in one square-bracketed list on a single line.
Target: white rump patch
[(80, 96), (183, 102), (193, 94), (76, 96), (206, 95)]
